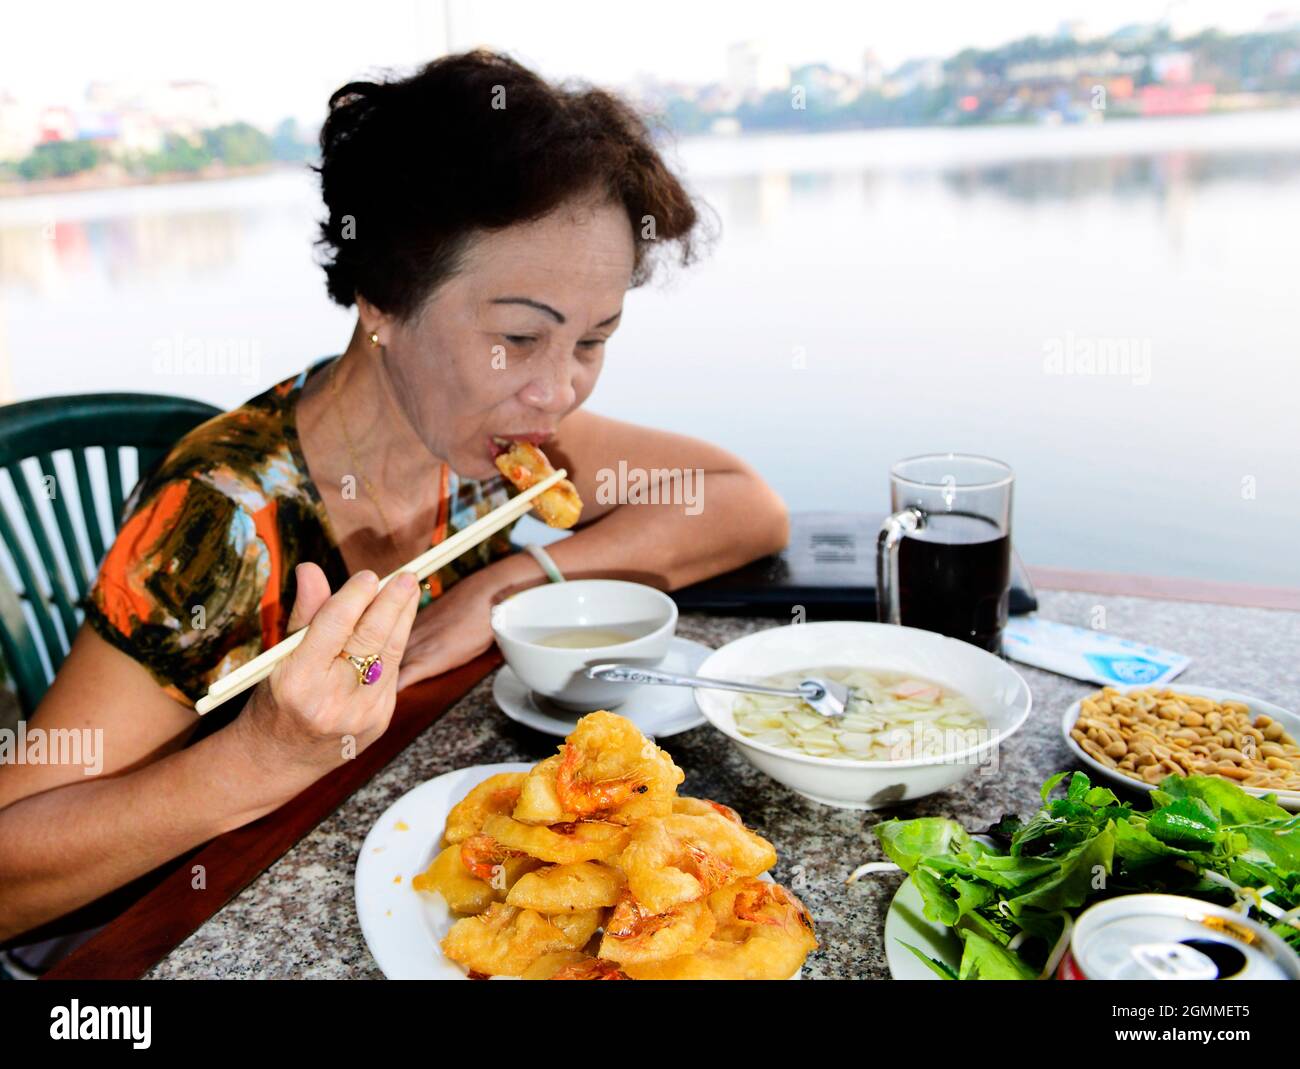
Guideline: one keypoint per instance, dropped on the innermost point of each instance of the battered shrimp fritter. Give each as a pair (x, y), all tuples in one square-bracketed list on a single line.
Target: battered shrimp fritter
[(684, 857), (605, 770), (525, 465)]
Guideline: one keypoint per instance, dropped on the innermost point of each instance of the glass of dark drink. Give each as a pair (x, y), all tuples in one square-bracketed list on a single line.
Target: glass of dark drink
[(943, 559)]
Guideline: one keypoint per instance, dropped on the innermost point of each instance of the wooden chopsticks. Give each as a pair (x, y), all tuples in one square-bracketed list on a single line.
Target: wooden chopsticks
[(250, 674)]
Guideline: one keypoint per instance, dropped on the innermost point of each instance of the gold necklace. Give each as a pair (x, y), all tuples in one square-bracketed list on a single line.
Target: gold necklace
[(352, 452), (356, 463)]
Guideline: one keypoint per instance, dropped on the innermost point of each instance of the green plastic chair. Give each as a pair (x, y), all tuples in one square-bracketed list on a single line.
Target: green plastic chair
[(67, 556)]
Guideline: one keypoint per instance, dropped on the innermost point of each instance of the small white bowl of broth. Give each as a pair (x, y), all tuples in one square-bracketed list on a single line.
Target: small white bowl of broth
[(550, 635), (927, 710)]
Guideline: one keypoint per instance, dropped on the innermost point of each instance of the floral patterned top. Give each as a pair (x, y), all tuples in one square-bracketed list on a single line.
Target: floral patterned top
[(201, 576)]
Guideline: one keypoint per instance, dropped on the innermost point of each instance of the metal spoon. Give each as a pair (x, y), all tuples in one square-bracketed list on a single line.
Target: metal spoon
[(823, 696)]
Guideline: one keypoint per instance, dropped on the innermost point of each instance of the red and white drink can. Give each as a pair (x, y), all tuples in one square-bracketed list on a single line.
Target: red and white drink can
[(1168, 937)]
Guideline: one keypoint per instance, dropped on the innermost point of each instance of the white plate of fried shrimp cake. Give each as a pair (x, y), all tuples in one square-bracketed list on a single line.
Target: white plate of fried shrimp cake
[(586, 866)]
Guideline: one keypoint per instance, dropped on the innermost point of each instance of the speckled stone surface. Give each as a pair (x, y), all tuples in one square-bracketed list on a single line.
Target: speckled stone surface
[(298, 919)]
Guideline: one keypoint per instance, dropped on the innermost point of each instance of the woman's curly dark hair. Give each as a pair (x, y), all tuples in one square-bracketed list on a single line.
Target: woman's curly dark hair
[(411, 169)]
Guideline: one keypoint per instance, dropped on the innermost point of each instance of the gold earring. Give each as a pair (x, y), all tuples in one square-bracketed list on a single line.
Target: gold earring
[(374, 339)]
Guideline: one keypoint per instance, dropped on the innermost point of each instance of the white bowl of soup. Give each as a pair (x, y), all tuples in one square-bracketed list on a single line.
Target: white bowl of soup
[(549, 636), (928, 710)]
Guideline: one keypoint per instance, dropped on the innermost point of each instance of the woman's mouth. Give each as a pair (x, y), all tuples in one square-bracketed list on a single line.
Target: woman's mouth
[(499, 443)]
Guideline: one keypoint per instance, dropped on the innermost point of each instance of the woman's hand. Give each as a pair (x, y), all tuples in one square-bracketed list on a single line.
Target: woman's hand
[(311, 714), (454, 628)]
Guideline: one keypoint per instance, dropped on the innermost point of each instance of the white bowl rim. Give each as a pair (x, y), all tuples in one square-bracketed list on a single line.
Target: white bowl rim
[(848, 762), (1219, 694), (668, 624)]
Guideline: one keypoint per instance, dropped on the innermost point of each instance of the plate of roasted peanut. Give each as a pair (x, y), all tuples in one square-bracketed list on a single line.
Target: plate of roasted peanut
[(1136, 736)]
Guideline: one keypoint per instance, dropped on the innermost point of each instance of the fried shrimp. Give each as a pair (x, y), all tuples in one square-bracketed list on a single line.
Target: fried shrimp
[(572, 965), (525, 465), (463, 888), (560, 844), (578, 928), (589, 866), (606, 770), (634, 935), (684, 857), (760, 955), (763, 932), (590, 969), (463, 891), (752, 902), (568, 888), (701, 806), (496, 794), (505, 941), (483, 856), (548, 965)]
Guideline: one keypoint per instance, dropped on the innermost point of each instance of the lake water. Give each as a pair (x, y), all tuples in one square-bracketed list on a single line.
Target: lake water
[(1111, 309)]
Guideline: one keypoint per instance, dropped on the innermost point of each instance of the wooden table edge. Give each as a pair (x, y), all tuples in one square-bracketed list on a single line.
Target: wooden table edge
[(148, 930), (1167, 588)]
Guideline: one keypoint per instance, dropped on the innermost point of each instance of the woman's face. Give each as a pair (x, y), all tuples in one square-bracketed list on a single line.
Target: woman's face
[(514, 342)]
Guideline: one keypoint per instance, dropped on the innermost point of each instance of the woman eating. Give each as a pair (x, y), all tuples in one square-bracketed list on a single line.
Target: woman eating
[(486, 226)]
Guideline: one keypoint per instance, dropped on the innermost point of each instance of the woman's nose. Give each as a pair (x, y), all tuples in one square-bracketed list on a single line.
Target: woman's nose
[(552, 389)]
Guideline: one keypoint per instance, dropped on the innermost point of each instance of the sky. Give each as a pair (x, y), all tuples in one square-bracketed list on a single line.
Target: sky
[(272, 60)]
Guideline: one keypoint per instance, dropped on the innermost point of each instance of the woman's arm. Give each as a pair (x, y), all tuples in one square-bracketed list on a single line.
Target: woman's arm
[(67, 838), (673, 509), (714, 513)]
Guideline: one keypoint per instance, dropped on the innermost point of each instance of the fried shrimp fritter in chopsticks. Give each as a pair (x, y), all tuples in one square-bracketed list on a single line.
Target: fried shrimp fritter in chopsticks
[(525, 466), (590, 867), (606, 770)]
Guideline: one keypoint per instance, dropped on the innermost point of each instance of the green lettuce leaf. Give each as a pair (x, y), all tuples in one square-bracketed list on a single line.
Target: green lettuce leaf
[(1187, 822), (945, 971), (1079, 875), (1228, 802), (906, 842), (982, 959)]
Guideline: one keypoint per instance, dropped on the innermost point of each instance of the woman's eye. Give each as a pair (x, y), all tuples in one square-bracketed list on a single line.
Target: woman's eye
[(593, 344), (519, 339)]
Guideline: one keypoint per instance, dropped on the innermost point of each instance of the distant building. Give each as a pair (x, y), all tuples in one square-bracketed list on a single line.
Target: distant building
[(753, 70), (1072, 30), (57, 124), (823, 84), (873, 71), (1176, 99), (147, 111), (1172, 68), (20, 127), (924, 73), (1281, 22)]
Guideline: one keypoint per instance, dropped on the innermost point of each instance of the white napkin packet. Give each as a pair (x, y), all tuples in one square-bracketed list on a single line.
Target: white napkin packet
[(1081, 653)]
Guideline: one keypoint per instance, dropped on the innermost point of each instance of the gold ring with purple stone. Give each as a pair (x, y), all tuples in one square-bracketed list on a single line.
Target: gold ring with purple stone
[(369, 669)]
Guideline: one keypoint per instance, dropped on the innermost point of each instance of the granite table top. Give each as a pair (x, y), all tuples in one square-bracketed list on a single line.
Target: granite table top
[(298, 919)]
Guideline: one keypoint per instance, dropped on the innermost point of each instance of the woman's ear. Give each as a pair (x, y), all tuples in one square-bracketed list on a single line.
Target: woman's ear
[(373, 321)]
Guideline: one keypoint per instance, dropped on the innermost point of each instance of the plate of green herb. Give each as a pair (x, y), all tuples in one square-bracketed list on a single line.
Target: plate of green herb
[(1001, 905)]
